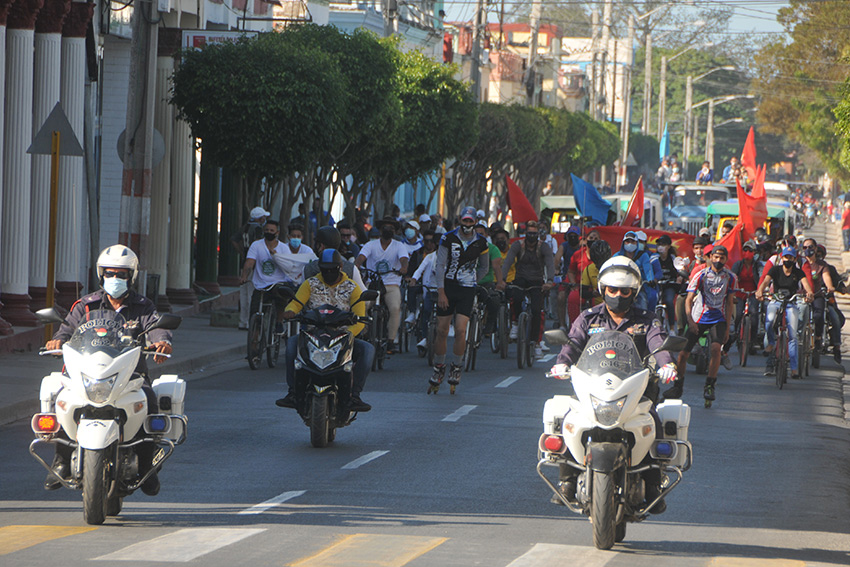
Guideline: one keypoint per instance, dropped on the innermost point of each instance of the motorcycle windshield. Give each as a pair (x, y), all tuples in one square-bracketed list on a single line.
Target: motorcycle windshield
[(610, 352), (102, 331)]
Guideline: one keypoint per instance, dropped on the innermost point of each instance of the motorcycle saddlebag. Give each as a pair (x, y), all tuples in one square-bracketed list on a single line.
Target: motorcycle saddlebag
[(675, 419), (170, 394), (50, 386)]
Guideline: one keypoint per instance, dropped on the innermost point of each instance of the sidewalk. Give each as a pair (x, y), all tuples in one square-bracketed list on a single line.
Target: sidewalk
[(197, 345), (841, 260)]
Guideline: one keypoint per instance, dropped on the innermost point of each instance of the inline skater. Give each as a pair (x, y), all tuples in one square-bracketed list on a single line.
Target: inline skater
[(709, 309), (462, 261)]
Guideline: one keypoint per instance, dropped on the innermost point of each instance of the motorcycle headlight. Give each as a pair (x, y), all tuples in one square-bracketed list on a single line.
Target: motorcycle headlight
[(323, 357), (607, 413), (98, 389)]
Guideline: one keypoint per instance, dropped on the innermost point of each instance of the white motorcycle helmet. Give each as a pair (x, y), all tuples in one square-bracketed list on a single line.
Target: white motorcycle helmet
[(619, 271), (118, 256)]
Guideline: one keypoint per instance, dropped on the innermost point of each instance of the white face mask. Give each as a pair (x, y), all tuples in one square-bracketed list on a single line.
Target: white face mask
[(115, 287)]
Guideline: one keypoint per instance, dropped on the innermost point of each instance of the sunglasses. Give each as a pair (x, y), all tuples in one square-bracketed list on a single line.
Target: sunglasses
[(621, 291), (808, 247), (114, 274)]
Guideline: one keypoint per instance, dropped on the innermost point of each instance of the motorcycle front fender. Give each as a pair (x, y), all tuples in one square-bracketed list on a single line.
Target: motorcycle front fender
[(606, 457), (97, 434)]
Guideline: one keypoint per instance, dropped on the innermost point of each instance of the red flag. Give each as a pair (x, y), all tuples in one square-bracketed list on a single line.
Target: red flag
[(752, 212), (634, 214), (734, 243), (758, 185), (748, 156), (521, 209), (613, 235)]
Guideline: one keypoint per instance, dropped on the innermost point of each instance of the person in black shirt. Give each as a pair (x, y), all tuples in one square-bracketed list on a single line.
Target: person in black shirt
[(670, 275), (787, 278)]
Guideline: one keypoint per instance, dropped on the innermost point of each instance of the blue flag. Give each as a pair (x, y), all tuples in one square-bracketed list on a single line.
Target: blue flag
[(663, 145), (588, 201)]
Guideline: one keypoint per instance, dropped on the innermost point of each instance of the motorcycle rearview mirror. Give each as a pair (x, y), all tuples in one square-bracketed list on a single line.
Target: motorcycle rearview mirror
[(166, 321), (556, 337), (672, 343), (368, 295), (49, 315)]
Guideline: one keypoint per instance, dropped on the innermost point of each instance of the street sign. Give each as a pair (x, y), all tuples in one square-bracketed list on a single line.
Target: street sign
[(196, 39), (56, 122)]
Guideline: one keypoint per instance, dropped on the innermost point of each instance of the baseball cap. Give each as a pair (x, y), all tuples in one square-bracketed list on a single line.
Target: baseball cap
[(424, 218), (641, 235), (480, 213), (574, 230), (720, 249), (631, 234), (751, 244), (467, 213), (258, 212), (413, 223), (704, 231), (664, 240), (788, 251)]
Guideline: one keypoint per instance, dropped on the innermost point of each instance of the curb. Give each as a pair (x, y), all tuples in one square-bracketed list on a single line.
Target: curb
[(185, 368)]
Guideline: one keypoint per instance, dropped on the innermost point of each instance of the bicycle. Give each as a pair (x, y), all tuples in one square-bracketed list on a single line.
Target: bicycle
[(379, 314), (780, 352), (263, 337), (525, 348), (745, 330), (473, 330), (499, 338), (661, 307), (805, 339)]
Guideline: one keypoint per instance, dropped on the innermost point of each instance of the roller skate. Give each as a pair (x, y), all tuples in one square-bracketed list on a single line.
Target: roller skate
[(708, 392), (454, 377), (437, 379)]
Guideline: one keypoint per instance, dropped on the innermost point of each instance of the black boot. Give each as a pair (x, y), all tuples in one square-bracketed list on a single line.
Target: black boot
[(708, 391), (675, 392), (61, 468), (287, 401), (145, 453)]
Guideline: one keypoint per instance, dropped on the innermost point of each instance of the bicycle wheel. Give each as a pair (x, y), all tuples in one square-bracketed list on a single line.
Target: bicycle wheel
[(403, 328), (255, 340), (744, 341), (432, 337), (373, 336), (272, 339), (807, 351), (522, 340), (503, 331), (781, 353), (816, 353), (471, 332), (382, 337)]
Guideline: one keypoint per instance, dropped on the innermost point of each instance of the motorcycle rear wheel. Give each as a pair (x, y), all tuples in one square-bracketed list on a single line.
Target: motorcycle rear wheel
[(114, 505), (95, 486), (603, 510), (319, 422), (621, 532)]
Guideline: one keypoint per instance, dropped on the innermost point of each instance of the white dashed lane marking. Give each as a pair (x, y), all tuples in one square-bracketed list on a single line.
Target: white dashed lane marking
[(181, 546), (459, 413), (508, 381), (356, 463), (271, 503)]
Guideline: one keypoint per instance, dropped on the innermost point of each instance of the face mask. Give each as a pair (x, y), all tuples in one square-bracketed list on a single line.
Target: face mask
[(269, 236), (330, 275), (353, 238), (467, 229), (295, 242), (662, 249), (809, 252), (630, 247), (573, 240), (819, 257), (532, 238), (748, 255), (115, 287), (387, 234), (501, 245), (788, 263), (619, 304), (409, 233), (641, 245), (718, 265)]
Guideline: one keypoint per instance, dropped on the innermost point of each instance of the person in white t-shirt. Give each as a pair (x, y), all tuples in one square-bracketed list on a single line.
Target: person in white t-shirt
[(388, 257), (292, 257), (262, 269)]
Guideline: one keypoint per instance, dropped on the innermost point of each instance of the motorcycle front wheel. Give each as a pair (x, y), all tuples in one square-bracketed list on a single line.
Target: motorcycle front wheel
[(95, 485), (603, 510), (319, 422)]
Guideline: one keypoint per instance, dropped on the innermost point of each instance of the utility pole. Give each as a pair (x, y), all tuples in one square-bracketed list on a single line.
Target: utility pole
[(594, 65), (689, 100), (606, 38), (709, 135), (390, 9), (662, 97), (625, 125), (647, 86), (530, 71), (477, 22)]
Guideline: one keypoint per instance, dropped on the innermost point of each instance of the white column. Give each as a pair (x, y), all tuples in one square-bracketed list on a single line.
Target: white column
[(161, 179), (71, 248), (182, 215), (5, 327), (48, 49), (17, 176)]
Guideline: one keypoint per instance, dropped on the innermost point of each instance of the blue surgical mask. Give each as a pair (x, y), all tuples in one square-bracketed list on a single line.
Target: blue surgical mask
[(409, 233), (115, 287), (295, 242), (630, 247)]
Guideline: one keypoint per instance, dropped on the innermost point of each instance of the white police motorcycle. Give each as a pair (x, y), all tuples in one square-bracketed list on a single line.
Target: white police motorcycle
[(99, 404), (605, 438)]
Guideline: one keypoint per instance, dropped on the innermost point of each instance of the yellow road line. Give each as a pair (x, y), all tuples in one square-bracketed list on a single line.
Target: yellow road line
[(371, 550), (16, 538), (753, 562)]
